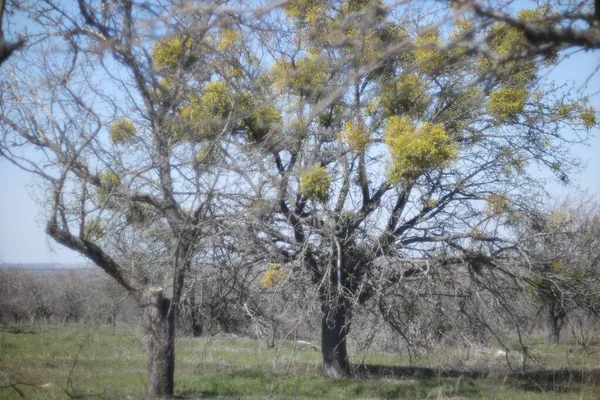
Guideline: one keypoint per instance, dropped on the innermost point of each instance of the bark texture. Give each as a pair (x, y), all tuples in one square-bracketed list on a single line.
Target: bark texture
[(160, 349), (334, 332)]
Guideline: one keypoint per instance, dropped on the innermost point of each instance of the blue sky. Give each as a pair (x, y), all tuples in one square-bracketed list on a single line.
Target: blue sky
[(23, 240)]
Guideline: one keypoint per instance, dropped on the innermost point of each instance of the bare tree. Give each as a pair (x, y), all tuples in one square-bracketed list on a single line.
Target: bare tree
[(13, 307), (561, 245), (92, 120)]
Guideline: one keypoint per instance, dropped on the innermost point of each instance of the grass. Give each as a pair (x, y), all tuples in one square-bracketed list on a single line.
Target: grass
[(55, 362)]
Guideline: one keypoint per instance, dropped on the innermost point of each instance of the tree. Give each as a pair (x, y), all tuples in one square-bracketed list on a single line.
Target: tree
[(121, 181), (14, 296), (562, 259), (364, 144)]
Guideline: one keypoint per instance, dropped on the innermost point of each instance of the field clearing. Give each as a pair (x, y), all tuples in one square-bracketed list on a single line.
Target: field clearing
[(56, 362)]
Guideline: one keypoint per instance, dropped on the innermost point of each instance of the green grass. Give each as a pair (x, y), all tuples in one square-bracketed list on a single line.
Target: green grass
[(53, 362)]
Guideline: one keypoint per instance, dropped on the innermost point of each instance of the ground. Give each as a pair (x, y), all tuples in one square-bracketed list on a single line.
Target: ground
[(58, 362)]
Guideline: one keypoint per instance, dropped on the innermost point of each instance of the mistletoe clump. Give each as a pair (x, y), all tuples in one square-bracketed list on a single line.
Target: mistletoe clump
[(273, 275), (414, 151), (122, 131), (506, 103), (314, 184)]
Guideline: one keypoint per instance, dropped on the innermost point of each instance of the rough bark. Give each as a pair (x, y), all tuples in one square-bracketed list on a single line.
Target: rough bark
[(160, 349), (334, 331)]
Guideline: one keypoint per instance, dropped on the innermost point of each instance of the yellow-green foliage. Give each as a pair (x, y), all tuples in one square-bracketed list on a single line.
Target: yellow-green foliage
[(109, 180), (372, 107), (354, 6), (518, 73), (137, 213), (588, 117), (431, 203), (300, 10), (168, 53), (307, 76), (205, 115), (496, 205), (414, 151), (462, 26), (427, 56), (217, 99), (504, 39), (314, 183), (312, 20), (314, 15), (460, 114), (92, 230), (563, 110), (122, 131), (558, 268), (273, 275), (559, 219), (165, 88), (407, 95), (261, 121), (506, 103), (365, 46), (356, 135), (229, 38)]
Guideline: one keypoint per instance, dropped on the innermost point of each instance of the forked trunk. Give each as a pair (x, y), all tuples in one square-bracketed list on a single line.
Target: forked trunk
[(160, 345), (334, 331)]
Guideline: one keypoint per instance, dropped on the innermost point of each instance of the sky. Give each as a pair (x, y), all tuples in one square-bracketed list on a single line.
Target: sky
[(23, 240)]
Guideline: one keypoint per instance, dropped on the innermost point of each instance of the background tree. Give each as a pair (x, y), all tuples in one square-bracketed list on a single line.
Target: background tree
[(562, 258), (14, 306)]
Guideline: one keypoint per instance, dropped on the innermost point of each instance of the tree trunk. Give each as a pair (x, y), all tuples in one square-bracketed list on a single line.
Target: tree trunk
[(555, 318), (334, 331), (195, 318), (160, 344)]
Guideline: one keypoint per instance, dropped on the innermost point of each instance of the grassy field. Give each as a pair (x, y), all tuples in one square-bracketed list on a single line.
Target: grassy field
[(55, 362)]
